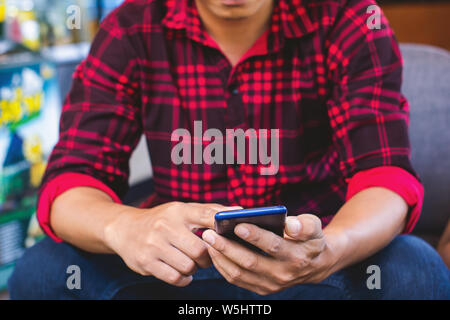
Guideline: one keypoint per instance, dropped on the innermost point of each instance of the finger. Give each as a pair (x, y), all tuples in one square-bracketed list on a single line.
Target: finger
[(192, 246), (238, 276), (179, 261), (267, 241), (216, 206), (202, 215), (304, 227), (169, 275), (237, 253)]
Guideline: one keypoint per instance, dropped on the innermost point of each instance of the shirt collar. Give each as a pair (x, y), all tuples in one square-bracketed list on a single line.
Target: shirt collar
[(289, 20), (295, 19), (183, 15)]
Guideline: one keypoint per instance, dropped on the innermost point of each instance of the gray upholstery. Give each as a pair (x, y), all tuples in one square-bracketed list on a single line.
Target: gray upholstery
[(426, 85)]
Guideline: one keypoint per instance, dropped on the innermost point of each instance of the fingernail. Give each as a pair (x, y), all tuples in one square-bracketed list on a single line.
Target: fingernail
[(233, 208), (242, 232), (293, 226), (209, 238)]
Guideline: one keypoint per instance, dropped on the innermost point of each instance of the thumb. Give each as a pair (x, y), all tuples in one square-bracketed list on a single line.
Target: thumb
[(293, 227), (304, 227)]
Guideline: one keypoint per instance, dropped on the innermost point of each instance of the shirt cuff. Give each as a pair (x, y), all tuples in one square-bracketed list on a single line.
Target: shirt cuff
[(395, 179), (59, 185)]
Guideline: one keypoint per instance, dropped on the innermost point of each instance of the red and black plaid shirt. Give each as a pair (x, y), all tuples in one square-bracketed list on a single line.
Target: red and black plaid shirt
[(319, 75)]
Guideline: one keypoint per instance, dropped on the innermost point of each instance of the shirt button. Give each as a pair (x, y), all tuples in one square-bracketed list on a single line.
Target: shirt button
[(235, 91)]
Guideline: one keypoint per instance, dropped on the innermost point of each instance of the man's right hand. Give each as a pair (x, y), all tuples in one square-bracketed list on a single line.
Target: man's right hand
[(161, 242)]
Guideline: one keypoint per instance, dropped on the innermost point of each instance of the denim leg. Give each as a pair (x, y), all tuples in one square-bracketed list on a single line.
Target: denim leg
[(42, 273), (409, 268), (208, 284)]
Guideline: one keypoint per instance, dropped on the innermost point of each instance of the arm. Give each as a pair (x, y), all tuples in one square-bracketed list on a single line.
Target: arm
[(364, 225), (81, 215), (89, 219)]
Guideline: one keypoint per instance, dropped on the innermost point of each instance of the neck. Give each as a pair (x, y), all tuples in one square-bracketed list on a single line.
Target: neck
[(236, 36)]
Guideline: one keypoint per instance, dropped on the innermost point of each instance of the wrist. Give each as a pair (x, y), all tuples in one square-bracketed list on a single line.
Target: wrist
[(336, 246), (116, 228)]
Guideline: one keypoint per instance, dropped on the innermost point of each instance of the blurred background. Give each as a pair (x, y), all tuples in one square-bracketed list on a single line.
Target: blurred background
[(38, 54)]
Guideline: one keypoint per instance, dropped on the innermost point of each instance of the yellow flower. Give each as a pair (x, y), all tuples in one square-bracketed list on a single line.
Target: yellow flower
[(32, 149)]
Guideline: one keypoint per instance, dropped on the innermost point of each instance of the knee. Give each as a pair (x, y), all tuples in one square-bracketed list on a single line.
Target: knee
[(37, 275), (412, 269)]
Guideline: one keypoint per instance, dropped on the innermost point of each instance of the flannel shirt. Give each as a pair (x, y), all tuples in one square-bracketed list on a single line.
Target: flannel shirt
[(319, 74)]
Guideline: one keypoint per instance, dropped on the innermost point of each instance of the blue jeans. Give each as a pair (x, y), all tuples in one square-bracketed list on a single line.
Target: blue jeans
[(410, 269)]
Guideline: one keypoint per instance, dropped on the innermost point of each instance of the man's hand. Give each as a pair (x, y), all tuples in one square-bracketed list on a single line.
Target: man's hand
[(302, 256), (160, 241)]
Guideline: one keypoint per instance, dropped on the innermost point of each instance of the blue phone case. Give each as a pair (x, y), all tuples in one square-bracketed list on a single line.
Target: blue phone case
[(269, 218)]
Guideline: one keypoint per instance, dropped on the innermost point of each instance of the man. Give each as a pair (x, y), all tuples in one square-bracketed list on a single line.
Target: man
[(315, 70)]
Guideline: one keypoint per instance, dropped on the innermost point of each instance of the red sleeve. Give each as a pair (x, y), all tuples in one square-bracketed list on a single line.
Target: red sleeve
[(395, 179), (59, 185)]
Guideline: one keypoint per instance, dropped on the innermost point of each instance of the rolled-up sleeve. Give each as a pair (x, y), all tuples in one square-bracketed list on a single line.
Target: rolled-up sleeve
[(368, 114), (100, 123), (397, 180)]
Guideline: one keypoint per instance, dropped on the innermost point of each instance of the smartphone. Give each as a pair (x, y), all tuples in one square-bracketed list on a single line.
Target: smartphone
[(269, 218)]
